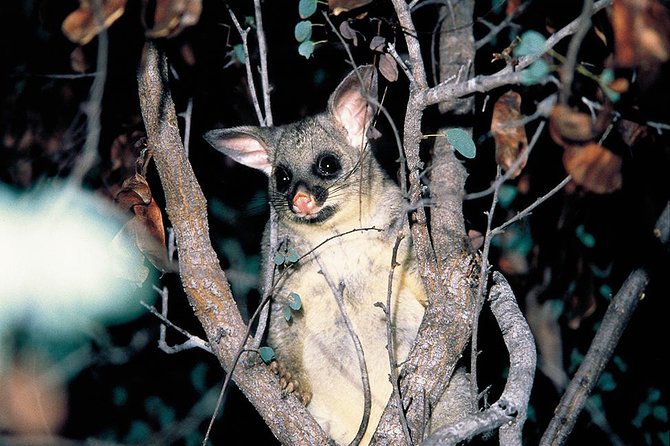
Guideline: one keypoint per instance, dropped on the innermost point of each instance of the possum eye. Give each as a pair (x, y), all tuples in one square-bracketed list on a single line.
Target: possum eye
[(282, 178), (327, 165)]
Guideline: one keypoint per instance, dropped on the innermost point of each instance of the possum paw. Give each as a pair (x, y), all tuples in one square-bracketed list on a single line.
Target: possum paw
[(289, 382)]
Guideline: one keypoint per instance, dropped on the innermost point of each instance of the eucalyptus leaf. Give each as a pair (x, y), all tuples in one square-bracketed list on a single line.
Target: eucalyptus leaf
[(462, 142), (303, 31), (294, 301), (306, 49), (531, 44), (267, 354), (306, 8)]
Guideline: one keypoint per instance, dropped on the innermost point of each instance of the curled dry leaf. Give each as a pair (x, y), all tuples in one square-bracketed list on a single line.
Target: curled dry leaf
[(568, 127), (593, 167), (339, 6), (348, 32), (145, 228), (172, 16), (388, 67), (378, 43), (508, 131), (641, 32), (82, 25)]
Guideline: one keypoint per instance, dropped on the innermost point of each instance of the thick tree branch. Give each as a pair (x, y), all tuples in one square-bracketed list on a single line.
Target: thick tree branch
[(203, 280), (448, 91), (509, 412)]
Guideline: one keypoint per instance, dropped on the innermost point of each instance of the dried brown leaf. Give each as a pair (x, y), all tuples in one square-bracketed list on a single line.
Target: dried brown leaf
[(388, 67), (378, 43), (348, 32), (146, 227), (82, 25), (339, 6), (593, 167), (568, 127), (173, 16), (508, 131)]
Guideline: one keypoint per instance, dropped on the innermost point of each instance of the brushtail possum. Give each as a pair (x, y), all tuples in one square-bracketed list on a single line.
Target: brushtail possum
[(340, 215)]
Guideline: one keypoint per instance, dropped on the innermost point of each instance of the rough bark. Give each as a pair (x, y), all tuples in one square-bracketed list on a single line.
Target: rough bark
[(202, 277)]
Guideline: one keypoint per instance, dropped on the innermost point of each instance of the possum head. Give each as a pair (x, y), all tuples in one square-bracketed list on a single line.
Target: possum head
[(319, 166)]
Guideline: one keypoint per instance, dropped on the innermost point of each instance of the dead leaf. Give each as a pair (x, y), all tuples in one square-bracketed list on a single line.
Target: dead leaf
[(593, 167), (146, 226), (171, 17), (378, 43), (388, 67), (348, 32), (580, 308), (512, 6), (476, 239), (641, 36), (568, 127), (82, 25), (512, 263), (508, 131), (339, 6), (30, 402), (78, 61), (631, 131)]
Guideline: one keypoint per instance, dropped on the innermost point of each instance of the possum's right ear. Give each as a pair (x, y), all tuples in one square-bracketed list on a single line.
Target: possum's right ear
[(246, 145)]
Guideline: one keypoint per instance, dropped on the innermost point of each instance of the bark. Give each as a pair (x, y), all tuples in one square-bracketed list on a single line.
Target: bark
[(202, 277)]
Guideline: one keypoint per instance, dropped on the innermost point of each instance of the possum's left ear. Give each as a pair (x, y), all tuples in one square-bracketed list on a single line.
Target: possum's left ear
[(247, 145), (349, 104)]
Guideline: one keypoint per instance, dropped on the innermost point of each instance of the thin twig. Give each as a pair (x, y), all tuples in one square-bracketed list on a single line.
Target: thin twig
[(523, 156), (360, 354), (525, 212), (250, 77), (193, 341), (390, 345), (568, 69), (263, 53), (446, 91), (92, 108)]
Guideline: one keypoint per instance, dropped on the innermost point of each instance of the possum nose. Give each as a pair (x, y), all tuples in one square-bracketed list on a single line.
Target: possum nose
[(304, 203)]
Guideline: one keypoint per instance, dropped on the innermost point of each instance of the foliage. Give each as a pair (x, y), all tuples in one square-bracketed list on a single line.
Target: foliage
[(610, 133)]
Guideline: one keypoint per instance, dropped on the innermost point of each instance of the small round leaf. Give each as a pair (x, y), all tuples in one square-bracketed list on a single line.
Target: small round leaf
[(286, 311), (531, 44), (462, 142), (292, 255), (306, 8), (279, 259), (535, 73), (303, 31), (267, 354), (294, 301), (306, 49)]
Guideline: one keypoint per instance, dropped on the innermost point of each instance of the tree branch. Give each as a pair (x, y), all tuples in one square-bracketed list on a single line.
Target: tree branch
[(203, 280), (614, 322)]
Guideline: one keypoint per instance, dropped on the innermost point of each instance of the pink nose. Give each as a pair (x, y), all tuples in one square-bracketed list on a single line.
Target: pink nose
[(303, 203)]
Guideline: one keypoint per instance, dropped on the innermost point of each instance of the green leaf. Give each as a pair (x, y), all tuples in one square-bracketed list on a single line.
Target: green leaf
[(462, 142), (643, 411), (621, 365), (306, 8), (605, 291), (654, 395), (292, 255), (535, 73), (267, 354), (587, 239), (306, 49), (531, 44), (606, 77), (303, 31), (661, 413), (288, 315), (294, 301), (606, 382), (506, 195), (279, 259), (238, 50)]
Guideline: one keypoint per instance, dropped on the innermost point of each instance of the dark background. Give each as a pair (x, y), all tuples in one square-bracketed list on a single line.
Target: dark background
[(138, 396)]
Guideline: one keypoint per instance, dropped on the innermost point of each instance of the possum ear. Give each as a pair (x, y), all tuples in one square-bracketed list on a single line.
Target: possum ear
[(246, 145), (349, 103)]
